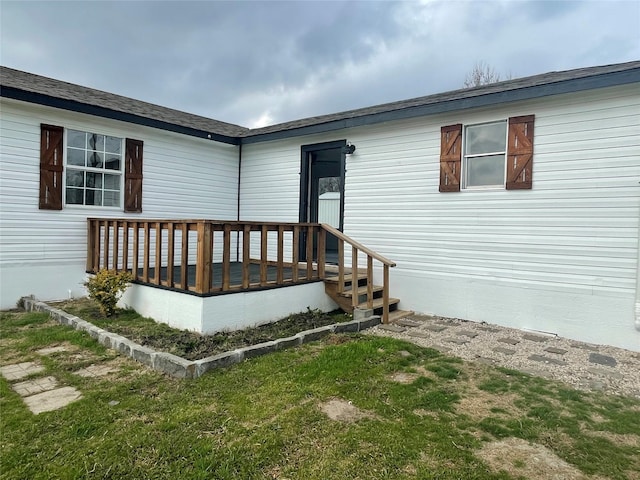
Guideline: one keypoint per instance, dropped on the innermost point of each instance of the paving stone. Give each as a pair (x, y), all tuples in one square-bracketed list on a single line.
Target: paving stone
[(457, 341), (418, 334), (558, 351), (605, 373), (407, 322), (440, 348), (534, 338), (95, 371), (37, 385), (602, 359), (486, 360), (50, 350), (510, 341), (488, 329), (446, 323), (584, 346), (436, 328), (467, 333), (506, 351), (542, 358), (531, 371), (391, 328), (52, 399), (20, 370)]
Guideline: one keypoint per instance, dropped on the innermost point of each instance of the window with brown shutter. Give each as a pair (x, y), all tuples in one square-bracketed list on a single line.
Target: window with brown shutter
[(133, 176), (51, 167), (450, 158), (520, 153), (477, 156)]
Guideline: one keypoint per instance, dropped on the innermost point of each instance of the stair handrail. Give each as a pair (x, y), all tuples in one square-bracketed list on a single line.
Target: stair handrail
[(371, 255), (358, 245)]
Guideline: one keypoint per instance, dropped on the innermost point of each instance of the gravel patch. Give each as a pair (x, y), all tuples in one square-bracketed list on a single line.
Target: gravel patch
[(582, 366)]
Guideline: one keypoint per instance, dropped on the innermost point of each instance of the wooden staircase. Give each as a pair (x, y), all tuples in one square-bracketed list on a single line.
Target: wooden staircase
[(345, 300)]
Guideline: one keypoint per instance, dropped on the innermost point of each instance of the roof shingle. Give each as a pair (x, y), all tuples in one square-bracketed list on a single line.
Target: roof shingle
[(17, 81)]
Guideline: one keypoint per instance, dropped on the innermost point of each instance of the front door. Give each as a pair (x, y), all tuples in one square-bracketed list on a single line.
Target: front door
[(322, 191)]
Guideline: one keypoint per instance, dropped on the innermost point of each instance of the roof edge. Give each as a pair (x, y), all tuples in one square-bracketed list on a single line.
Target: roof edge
[(600, 80), (75, 106)]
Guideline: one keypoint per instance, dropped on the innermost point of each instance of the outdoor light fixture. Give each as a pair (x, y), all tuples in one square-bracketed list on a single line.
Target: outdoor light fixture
[(348, 149)]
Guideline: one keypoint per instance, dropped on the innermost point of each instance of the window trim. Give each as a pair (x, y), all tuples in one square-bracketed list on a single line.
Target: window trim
[(465, 158), (66, 166)]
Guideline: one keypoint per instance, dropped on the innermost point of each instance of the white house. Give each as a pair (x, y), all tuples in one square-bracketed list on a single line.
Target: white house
[(516, 203)]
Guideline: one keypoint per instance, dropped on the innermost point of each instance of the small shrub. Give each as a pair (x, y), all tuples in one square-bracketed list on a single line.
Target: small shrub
[(105, 288), (20, 303)]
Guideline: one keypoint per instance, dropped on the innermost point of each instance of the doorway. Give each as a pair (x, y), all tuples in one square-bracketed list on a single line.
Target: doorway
[(322, 191)]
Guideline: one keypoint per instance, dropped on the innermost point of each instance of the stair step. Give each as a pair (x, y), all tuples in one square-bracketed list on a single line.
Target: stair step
[(378, 303), (347, 278), (361, 291)]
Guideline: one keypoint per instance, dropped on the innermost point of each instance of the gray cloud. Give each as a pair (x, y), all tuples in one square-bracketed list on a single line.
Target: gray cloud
[(248, 62)]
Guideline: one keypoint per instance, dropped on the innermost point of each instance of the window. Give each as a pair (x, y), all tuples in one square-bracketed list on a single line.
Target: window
[(93, 169), (496, 154), (485, 149), (98, 170)]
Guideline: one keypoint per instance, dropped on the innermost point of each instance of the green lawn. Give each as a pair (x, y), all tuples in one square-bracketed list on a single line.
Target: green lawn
[(421, 415)]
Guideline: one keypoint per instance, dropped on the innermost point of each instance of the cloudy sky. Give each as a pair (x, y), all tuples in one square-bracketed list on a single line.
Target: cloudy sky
[(259, 63)]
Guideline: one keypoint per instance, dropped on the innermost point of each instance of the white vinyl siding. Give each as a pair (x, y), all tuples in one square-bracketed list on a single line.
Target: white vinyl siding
[(561, 257), (184, 178)]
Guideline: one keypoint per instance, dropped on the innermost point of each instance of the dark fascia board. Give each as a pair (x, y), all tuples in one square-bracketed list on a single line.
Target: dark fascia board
[(496, 98), (74, 106)]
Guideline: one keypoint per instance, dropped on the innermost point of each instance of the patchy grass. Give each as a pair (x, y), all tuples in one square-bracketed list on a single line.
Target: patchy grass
[(191, 345), (268, 417)]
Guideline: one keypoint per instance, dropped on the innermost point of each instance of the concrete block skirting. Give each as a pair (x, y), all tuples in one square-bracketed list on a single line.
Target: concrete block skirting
[(179, 367)]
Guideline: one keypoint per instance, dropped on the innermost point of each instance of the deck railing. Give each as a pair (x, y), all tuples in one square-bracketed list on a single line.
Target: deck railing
[(209, 257)]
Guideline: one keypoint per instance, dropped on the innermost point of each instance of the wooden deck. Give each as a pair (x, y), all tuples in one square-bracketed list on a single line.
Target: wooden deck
[(210, 257), (235, 277)]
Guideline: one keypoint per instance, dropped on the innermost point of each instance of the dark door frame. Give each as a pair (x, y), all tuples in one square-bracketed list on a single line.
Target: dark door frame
[(304, 176)]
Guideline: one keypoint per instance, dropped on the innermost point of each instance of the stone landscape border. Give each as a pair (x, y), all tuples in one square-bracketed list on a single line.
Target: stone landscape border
[(179, 367)]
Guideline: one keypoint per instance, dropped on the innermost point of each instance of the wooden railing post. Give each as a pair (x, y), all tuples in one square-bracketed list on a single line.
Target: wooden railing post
[(369, 281), (203, 257), (226, 257), (264, 233), (354, 277), (280, 265), (322, 241), (246, 256), (184, 257), (125, 245), (106, 243), (171, 238), (116, 245), (340, 265), (385, 295), (91, 246), (147, 246), (135, 250), (309, 252), (295, 254), (158, 255)]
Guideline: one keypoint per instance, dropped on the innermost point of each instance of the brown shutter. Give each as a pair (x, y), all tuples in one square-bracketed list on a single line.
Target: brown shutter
[(51, 158), (133, 176), (520, 153), (450, 158)]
